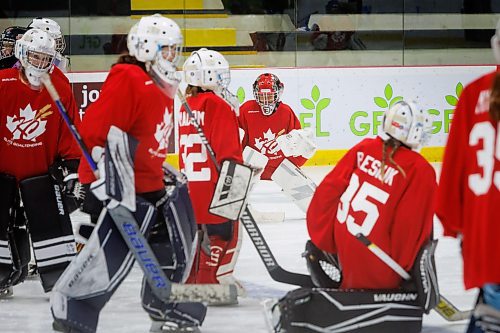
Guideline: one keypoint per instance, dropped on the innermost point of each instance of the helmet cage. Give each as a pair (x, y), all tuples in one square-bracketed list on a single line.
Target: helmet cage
[(157, 41), (53, 29), (36, 52), (8, 40), (207, 69), (267, 90)]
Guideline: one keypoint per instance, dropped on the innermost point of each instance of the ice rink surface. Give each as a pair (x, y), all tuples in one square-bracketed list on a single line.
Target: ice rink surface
[(29, 312)]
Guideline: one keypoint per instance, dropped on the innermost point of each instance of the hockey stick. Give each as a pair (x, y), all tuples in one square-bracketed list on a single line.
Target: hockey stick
[(444, 308), (127, 225), (275, 270)]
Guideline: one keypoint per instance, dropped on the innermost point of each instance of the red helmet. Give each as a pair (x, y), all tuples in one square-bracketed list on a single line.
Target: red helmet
[(267, 90)]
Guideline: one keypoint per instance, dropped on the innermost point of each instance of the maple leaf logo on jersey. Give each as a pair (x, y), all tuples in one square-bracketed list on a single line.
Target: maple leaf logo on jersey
[(29, 124), (267, 144), (162, 133)]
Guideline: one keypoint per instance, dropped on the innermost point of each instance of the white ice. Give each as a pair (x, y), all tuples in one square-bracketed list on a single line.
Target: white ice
[(29, 312)]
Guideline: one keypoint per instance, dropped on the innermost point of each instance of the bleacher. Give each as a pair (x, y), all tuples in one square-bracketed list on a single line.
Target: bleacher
[(273, 40)]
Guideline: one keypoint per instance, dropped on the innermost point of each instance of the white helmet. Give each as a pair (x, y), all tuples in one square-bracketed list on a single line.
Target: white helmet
[(408, 123), (36, 51), (495, 43), (207, 69), (51, 27), (157, 41)]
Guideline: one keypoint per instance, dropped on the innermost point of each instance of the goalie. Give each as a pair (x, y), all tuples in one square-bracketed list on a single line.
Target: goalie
[(272, 132), (382, 189)]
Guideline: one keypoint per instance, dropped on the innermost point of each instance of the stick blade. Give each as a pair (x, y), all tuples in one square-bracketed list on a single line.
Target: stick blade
[(214, 294)]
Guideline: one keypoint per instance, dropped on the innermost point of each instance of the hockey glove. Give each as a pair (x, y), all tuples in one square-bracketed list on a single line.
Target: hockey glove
[(324, 267), (66, 176)]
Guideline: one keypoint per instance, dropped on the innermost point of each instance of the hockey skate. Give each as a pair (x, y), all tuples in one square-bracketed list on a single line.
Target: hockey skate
[(59, 326), (6, 292), (158, 326), (32, 272)]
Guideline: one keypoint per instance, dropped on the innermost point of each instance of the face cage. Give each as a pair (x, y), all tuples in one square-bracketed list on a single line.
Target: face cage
[(39, 60), (223, 78), (6, 44), (170, 53), (267, 101), (60, 44)]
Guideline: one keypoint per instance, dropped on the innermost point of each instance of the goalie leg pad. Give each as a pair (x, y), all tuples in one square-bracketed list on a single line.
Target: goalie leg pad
[(93, 276), (50, 227), (319, 310), (294, 183), (425, 276), (173, 240), (10, 264), (486, 315)]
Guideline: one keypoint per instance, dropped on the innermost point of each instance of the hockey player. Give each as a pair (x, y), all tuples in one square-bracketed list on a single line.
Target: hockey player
[(137, 99), (53, 29), (7, 43), (266, 118), (384, 190), (469, 191), (206, 71), (34, 142)]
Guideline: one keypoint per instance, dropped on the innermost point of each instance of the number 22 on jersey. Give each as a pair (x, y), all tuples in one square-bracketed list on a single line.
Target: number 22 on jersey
[(356, 197), (199, 155)]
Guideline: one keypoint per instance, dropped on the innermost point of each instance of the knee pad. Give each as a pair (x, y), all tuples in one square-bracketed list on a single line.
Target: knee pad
[(182, 229), (49, 226)]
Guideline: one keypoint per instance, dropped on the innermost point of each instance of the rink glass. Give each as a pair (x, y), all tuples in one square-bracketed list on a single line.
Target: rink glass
[(281, 33)]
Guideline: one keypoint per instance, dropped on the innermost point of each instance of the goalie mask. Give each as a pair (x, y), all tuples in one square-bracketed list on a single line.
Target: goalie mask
[(207, 69), (267, 90), (8, 40), (157, 41), (407, 123), (36, 52), (53, 29)]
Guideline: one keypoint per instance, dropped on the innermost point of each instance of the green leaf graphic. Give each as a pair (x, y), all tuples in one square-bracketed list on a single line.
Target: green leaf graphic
[(395, 100), (388, 92), (459, 88), (323, 104), (307, 103), (380, 102), (452, 100), (241, 94), (315, 93)]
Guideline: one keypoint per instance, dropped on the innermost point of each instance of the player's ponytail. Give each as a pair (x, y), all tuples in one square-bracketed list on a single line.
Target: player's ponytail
[(495, 99), (394, 145)]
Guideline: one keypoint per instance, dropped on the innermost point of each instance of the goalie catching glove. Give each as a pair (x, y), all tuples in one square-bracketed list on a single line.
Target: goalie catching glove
[(297, 143)]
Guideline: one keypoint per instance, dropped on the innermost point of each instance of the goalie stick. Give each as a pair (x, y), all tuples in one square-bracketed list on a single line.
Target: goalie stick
[(444, 308), (125, 222), (276, 272)]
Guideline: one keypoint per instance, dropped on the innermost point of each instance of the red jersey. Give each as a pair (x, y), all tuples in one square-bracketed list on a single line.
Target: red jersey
[(469, 187), (131, 101), (395, 212), (261, 131), (220, 126), (33, 133)]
